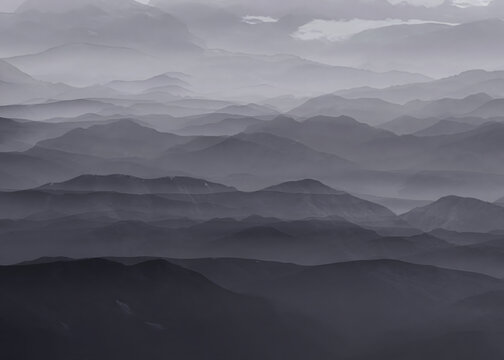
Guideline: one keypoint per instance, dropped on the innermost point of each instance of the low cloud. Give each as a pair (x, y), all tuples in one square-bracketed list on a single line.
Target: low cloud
[(435, 3), (469, 3), (338, 30), (426, 3), (254, 20)]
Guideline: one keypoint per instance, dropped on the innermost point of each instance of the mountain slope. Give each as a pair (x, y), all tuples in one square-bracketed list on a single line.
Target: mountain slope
[(123, 138), (11, 74), (370, 111), (376, 302), (457, 214), (97, 64), (478, 150), (460, 86), (134, 185), (235, 204), (446, 50), (45, 25), (117, 303), (20, 135), (307, 186), (227, 127), (266, 155), (445, 127), (447, 107), (493, 108), (41, 204), (18, 87), (342, 135), (57, 109)]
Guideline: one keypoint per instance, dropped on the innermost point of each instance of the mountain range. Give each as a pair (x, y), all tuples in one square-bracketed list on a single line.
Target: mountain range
[(110, 309), (251, 179), (457, 214)]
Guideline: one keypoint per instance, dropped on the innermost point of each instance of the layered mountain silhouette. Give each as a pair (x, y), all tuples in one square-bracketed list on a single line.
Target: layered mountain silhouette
[(341, 135), (371, 111), (61, 313), (434, 45), (132, 185), (490, 109), (251, 180), (57, 109), (445, 127), (308, 241), (106, 17), (193, 198), (478, 150), (338, 296), (266, 155), (20, 135), (457, 214), (307, 186), (110, 308), (97, 63), (447, 107), (124, 138), (17, 86), (461, 85), (229, 126)]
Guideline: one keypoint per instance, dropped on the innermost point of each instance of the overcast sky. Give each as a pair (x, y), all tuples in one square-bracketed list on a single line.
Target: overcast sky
[(10, 5), (285, 3)]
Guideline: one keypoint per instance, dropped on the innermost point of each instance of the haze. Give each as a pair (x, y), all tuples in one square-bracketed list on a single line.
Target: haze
[(253, 180)]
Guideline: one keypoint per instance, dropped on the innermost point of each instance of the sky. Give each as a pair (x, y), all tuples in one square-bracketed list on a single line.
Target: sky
[(425, 3), (11, 5), (433, 3), (353, 18)]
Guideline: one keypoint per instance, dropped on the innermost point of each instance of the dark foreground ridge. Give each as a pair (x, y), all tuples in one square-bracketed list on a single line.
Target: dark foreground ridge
[(152, 308)]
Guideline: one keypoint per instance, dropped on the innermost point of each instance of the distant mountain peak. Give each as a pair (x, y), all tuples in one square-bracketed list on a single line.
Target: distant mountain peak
[(135, 185), (124, 123), (458, 203), (262, 232), (248, 110), (11, 74), (305, 186), (457, 213), (445, 127), (340, 120), (453, 199), (121, 127), (282, 119)]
